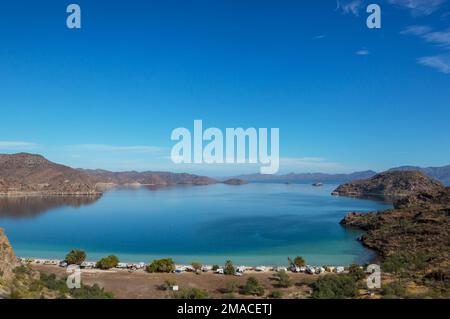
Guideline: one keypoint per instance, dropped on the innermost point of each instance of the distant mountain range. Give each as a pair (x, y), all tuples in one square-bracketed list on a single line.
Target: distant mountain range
[(158, 179), (306, 177), (25, 173), (30, 174), (441, 174)]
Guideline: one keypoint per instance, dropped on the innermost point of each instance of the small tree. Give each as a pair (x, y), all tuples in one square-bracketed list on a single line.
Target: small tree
[(196, 265), (253, 287), (162, 265), (215, 267), (76, 257), (356, 272), (107, 262), (283, 279), (299, 261), (229, 268)]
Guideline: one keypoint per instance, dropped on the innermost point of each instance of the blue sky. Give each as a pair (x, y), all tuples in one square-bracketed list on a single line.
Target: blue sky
[(344, 97)]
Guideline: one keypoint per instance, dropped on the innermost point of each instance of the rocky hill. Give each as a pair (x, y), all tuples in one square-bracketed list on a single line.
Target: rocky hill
[(418, 226), (8, 260), (391, 184), (30, 174), (33, 174), (441, 174)]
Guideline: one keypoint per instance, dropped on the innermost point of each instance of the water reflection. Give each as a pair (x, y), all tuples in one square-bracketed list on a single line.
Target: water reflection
[(25, 207)]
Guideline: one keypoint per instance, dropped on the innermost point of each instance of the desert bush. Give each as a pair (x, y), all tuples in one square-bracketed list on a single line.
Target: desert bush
[(162, 265), (108, 262), (335, 287), (253, 287), (76, 257)]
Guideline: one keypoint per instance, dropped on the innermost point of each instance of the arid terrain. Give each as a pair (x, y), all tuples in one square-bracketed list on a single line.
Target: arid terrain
[(140, 284)]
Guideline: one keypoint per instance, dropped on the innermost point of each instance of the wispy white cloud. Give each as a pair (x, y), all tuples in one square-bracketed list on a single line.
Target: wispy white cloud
[(438, 62), (417, 30), (320, 36), (116, 148), (349, 6), (362, 52), (419, 7), (441, 38), (17, 145)]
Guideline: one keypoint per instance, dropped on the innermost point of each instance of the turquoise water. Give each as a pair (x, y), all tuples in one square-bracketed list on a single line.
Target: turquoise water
[(252, 224)]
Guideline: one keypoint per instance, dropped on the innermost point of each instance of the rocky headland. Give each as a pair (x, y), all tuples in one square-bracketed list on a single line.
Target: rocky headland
[(413, 238), (395, 184)]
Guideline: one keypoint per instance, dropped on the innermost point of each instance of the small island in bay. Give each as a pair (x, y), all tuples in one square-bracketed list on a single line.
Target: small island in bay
[(235, 182)]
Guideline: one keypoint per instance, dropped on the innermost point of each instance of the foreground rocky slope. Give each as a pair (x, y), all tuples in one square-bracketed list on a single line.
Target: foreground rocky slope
[(417, 224), (7, 258), (412, 239), (391, 184)]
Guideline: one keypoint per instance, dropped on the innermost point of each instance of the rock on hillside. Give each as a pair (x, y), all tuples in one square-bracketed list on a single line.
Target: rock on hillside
[(27, 174), (8, 260), (395, 184)]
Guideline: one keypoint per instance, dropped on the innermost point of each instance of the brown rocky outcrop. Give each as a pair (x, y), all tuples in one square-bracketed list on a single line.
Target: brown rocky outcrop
[(392, 184), (8, 260), (30, 174), (419, 224)]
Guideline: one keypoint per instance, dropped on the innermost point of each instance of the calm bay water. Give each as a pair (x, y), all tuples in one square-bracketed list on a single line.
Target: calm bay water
[(251, 224)]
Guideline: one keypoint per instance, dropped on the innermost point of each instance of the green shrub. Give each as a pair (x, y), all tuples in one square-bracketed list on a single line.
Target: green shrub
[(356, 272), (283, 279), (90, 292), (192, 293), (162, 265), (405, 261), (232, 286), (393, 290), (107, 262), (229, 268), (253, 287), (76, 257), (277, 294), (51, 282), (299, 261), (335, 287), (22, 270)]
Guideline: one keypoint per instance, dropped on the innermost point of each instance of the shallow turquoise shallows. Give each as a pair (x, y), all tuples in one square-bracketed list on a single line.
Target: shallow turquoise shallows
[(254, 224)]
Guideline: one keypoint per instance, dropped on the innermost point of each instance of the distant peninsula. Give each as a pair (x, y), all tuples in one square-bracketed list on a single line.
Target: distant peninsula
[(26, 174)]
